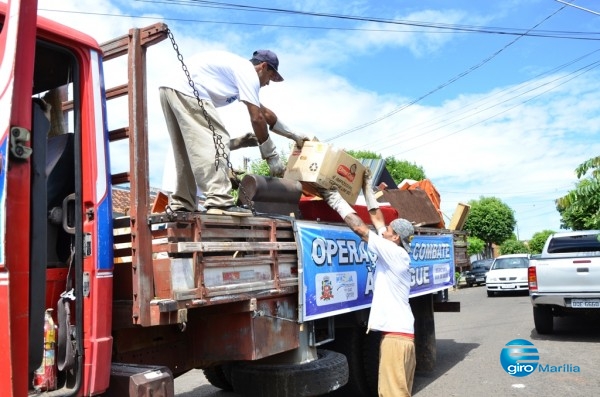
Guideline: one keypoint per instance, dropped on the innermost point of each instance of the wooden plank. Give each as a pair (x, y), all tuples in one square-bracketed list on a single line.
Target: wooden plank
[(188, 247), (242, 261)]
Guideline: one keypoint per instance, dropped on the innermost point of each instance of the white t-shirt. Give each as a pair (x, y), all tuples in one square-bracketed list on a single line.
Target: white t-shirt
[(390, 310), (220, 77)]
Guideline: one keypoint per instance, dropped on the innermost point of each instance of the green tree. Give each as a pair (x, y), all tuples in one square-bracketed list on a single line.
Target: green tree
[(490, 220), (401, 169), (536, 244), (398, 169), (475, 246), (580, 208), (513, 247)]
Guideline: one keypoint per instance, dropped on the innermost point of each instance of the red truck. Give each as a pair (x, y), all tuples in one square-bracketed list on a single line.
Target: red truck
[(98, 303)]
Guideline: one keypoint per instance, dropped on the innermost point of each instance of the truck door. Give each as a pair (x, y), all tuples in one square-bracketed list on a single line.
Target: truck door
[(41, 210), (17, 50)]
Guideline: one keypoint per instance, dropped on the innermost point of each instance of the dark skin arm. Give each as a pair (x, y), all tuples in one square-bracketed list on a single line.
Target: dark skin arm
[(258, 121), (362, 229), (260, 117)]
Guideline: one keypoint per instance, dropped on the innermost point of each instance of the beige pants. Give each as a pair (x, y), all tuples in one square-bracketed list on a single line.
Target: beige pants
[(397, 364), (194, 151)]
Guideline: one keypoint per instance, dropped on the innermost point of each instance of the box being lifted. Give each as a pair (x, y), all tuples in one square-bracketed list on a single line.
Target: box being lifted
[(320, 164)]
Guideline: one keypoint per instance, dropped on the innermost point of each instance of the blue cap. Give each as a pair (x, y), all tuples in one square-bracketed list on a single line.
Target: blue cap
[(271, 59)]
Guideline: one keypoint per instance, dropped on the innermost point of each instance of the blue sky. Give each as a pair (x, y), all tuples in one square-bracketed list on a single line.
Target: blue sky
[(485, 114)]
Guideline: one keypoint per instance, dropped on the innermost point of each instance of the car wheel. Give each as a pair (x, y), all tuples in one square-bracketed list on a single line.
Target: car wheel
[(490, 293), (543, 319)]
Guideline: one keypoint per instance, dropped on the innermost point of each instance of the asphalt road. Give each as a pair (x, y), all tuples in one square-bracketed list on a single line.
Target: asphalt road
[(468, 353)]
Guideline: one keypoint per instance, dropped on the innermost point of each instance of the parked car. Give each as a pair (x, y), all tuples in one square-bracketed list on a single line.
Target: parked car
[(466, 279), (480, 269), (508, 273)]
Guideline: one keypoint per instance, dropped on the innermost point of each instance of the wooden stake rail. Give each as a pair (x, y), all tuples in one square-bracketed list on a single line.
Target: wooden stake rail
[(214, 259)]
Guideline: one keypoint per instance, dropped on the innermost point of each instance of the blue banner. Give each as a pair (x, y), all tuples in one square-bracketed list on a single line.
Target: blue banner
[(337, 271)]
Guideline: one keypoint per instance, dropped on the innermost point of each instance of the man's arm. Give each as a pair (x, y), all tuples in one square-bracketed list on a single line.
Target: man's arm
[(338, 204), (357, 226), (258, 121), (267, 148), (377, 218), (278, 127)]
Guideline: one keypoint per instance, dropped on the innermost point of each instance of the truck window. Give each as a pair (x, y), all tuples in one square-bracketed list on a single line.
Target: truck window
[(573, 244), (54, 97)]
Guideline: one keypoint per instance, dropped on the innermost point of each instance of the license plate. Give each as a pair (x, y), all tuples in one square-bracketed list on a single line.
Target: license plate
[(507, 286), (585, 303), (479, 279)]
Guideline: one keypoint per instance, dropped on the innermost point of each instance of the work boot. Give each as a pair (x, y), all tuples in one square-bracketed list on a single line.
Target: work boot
[(232, 210)]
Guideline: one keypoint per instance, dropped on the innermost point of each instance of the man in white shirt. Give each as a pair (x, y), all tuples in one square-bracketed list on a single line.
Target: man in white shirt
[(199, 138), (390, 309)]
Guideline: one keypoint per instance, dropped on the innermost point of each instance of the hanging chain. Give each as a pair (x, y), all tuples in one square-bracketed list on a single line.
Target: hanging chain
[(220, 150)]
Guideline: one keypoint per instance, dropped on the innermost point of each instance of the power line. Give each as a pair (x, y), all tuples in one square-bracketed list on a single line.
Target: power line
[(579, 72), (441, 28), (447, 83), (476, 107)]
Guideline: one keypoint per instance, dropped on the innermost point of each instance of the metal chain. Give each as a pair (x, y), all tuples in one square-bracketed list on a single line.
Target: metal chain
[(220, 151)]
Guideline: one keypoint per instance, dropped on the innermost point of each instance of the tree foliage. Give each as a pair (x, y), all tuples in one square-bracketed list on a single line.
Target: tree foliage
[(580, 208), (536, 244), (402, 169), (475, 246), (398, 169), (513, 247), (490, 220)]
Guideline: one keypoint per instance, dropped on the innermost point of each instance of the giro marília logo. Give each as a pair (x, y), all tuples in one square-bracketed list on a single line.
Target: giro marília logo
[(519, 357)]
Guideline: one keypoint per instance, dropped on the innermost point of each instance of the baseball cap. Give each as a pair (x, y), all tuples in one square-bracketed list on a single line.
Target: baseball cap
[(405, 230), (271, 59)]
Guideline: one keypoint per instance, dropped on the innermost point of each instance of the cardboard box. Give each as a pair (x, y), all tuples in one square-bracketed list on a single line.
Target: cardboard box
[(319, 164)]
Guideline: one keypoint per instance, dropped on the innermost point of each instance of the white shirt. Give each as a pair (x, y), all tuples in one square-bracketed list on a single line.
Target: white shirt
[(390, 310), (221, 77)]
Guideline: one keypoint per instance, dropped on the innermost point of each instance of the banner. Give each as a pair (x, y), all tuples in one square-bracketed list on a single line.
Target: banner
[(337, 271)]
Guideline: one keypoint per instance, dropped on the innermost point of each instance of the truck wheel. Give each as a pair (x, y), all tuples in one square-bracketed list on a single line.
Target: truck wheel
[(543, 319), (321, 376), (349, 342), (218, 377), (370, 352)]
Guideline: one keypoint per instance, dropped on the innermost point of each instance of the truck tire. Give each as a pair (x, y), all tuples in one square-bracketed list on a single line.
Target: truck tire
[(321, 376), (349, 342), (218, 377), (543, 319), (370, 352)]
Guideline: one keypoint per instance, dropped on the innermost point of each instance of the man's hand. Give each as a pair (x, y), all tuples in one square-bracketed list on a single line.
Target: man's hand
[(268, 152), (276, 167), (283, 130), (246, 140), (336, 202), (370, 199)]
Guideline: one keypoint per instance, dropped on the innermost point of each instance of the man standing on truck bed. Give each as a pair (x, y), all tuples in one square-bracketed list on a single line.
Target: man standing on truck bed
[(390, 310), (219, 78)]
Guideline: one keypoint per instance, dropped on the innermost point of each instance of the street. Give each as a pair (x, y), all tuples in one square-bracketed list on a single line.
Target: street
[(469, 344)]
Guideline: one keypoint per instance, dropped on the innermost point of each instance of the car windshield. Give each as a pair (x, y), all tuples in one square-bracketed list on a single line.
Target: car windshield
[(511, 263), (482, 264)]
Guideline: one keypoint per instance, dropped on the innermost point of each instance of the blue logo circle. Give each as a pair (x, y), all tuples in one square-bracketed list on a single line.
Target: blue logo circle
[(519, 358)]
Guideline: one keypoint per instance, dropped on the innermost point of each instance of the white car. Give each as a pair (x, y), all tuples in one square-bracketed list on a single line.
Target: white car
[(508, 274)]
